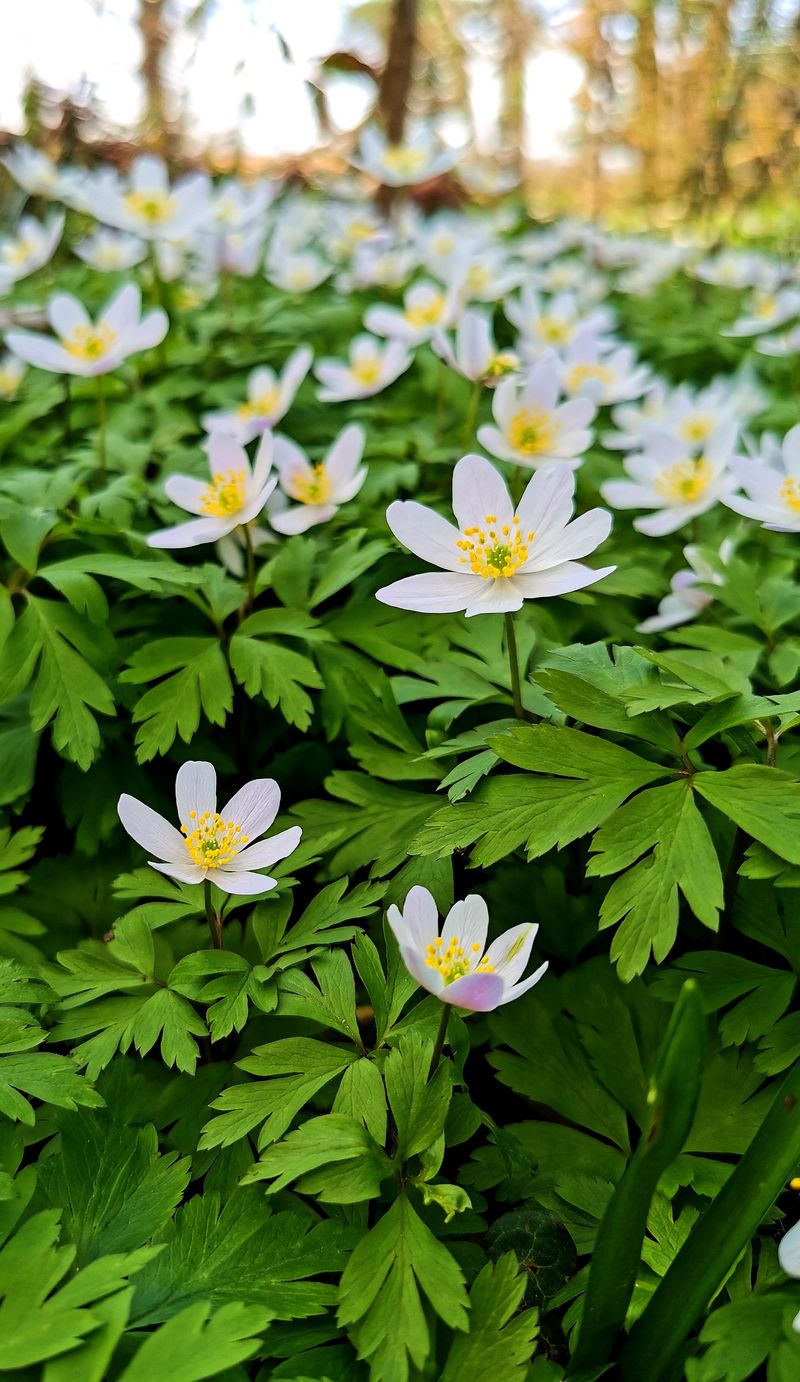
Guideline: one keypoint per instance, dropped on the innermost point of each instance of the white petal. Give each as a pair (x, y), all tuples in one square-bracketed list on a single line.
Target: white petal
[(469, 921), (65, 313), (185, 492), (477, 993), (497, 596), (417, 925), (184, 873), (254, 807), (242, 884), (479, 491), (425, 533), (122, 312), (517, 990), (510, 952), (547, 502), (559, 580), (266, 852), (150, 830), (195, 791), (431, 593), (426, 976), (789, 1251), (194, 534), (578, 539)]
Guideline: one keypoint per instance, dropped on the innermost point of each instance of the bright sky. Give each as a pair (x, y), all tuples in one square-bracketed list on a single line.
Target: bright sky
[(65, 41)]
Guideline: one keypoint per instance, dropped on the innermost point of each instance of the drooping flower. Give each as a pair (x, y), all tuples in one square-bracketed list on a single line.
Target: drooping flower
[(667, 477), (427, 308), (214, 846), (111, 250), (473, 352), (317, 490), (90, 348), (685, 600), (532, 426), (457, 965), (30, 249), (372, 366), (406, 164), (771, 481), (11, 373), (496, 558), (235, 495), (269, 398)]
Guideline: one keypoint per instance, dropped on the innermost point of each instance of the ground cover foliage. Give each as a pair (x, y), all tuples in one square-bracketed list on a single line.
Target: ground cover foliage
[(235, 1152)]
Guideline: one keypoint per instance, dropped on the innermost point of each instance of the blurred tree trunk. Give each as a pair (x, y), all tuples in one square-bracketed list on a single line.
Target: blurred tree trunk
[(515, 28), (155, 33), (649, 102), (396, 79)]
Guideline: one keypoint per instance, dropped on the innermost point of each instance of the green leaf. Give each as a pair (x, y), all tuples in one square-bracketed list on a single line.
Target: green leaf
[(197, 1344), (195, 678), (764, 802), (278, 674), (500, 1342), (333, 1157), (419, 1105)]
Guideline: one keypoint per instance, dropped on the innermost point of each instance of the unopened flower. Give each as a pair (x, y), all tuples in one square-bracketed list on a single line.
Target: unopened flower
[(11, 373), (372, 366), (666, 477), (87, 347), (457, 965), (771, 482), (316, 491), (110, 250), (532, 426), (213, 846), (235, 495), (269, 398), (426, 309), (497, 557), (473, 352), (686, 600), (30, 249)]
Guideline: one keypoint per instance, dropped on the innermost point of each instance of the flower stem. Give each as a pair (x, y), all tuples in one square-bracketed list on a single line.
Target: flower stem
[(212, 917), (513, 666), (438, 1045), (471, 415), (251, 566), (101, 423)]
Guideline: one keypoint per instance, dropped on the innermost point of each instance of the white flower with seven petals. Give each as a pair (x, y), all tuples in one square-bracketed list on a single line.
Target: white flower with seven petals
[(317, 490), (235, 495), (532, 426), (149, 206), (496, 558), (457, 965), (85, 347), (269, 398), (213, 846), (372, 366)]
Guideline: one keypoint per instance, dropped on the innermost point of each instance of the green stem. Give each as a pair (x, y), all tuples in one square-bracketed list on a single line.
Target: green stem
[(251, 566), (67, 410), (471, 415), (438, 1045), (212, 917), (101, 423), (513, 666), (716, 1241)]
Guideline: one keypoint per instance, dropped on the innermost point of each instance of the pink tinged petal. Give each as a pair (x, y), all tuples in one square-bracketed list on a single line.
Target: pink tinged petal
[(759, 479), (479, 491), (668, 520), (477, 993), (504, 403), (195, 791), (542, 386), (243, 884), (183, 873), (150, 830), (417, 926), (193, 534), (293, 374), (65, 313), (517, 990), (499, 596), (266, 852), (254, 807), (509, 954), (431, 593), (425, 533), (560, 580), (185, 492), (789, 1251), (426, 976), (469, 920)]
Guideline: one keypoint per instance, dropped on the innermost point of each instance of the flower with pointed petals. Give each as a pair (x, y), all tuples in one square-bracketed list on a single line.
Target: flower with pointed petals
[(403, 165), (789, 1259), (771, 483), (234, 496), (269, 398), (214, 846), (111, 250), (678, 485), (11, 372), (317, 490), (426, 309), (496, 558), (685, 600), (90, 348), (30, 249), (457, 966), (372, 366), (532, 426), (473, 352)]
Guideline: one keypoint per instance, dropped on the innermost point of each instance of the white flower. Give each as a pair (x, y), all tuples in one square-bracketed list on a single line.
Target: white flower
[(458, 966), (235, 204), (235, 495), (544, 324), (297, 273), (213, 845), (375, 265), (403, 165), (487, 179), (317, 490), (532, 426), (108, 250), (90, 348), (771, 481), (483, 275), (667, 478), (269, 398), (426, 309), (730, 269), (32, 247), (685, 601), (372, 366), (783, 343), (240, 251), (496, 557), (33, 170), (11, 373), (766, 310), (614, 377), (148, 205), (789, 1259), (473, 353), (635, 420)]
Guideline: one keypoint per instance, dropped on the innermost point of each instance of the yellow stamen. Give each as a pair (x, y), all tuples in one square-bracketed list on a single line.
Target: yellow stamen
[(578, 375), (152, 207), (427, 313), (532, 431), (263, 405), (225, 495), (790, 494), (491, 554), (214, 842), (90, 342), (401, 159), (554, 329), (366, 371), (684, 481), (315, 488), (696, 428)]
